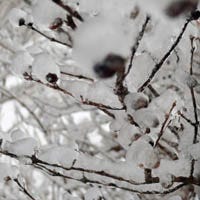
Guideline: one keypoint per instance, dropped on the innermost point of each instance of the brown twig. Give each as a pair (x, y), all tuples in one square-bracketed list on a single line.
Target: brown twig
[(100, 106), (164, 58), (30, 26), (42, 165), (165, 123), (120, 89), (186, 119), (194, 104), (137, 43), (72, 12), (23, 189), (77, 76)]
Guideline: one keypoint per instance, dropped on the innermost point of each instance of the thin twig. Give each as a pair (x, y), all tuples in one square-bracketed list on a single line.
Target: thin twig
[(42, 165), (164, 58), (23, 189), (194, 104), (186, 119), (100, 106), (165, 123), (137, 43), (77, 76), (72, 12), (153, 90), (86, 180), (30, 26), (120, 89)]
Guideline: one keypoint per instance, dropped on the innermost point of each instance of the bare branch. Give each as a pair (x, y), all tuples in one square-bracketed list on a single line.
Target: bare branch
[(23, 189), (30, 26), (137, 43), (77, 76), (72, 12), (165, 123), (194, 104), (164, 58)]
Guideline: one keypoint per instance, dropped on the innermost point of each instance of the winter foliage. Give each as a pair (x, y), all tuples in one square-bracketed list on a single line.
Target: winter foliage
[(100, 99)]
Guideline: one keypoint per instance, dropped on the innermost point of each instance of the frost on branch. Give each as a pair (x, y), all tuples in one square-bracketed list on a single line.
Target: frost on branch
[(108, 106)]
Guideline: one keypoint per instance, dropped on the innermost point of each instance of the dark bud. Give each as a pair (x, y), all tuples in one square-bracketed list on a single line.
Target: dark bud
[(56, 1), (21, 21), (57, 23), (103, 70), (195, 15), (180, 7), (109, 66), (52, 78), (70, 22)]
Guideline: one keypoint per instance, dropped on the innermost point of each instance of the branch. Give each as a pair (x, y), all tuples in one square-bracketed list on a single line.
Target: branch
[(164, 58), (137, 43), (39, 164), (164, 123), (120, 90), (23, 189), (72, 12), (186, 119), (194, 104), (100, 106), (30, 26), (86, 180), (77, 76)]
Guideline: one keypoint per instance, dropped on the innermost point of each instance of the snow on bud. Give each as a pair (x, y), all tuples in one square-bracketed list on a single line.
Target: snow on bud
[(166, 180), (191, 81), (136, 101), (17, 135), (44, 65), (57, 23), (25, 146), (21, 63), (127, 134), (63, 154), (146, 118), (142, 152), (16, 16)]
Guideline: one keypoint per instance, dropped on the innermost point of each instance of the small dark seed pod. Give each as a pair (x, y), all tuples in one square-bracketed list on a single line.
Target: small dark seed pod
[(195, 15), (111, 64), (52, 78), (21, 21), (103, 70), (179, 7)]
